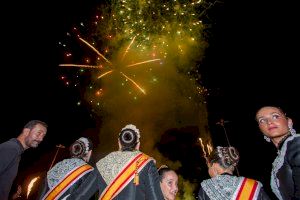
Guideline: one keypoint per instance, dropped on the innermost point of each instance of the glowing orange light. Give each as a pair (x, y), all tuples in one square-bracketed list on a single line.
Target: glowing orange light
[(30, 185)]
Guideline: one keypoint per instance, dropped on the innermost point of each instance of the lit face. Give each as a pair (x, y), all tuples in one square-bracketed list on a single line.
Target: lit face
[(273, 123), (35, 136), (169, 185)]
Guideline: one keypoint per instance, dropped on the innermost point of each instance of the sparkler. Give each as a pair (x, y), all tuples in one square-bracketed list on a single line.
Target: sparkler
[(30, 185), (209, 148), (203, 149)]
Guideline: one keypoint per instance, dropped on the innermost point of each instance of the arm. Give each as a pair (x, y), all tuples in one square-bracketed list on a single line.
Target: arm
[(153, 190), (263, 195), (294, 161), (202, 195), (7, 154)]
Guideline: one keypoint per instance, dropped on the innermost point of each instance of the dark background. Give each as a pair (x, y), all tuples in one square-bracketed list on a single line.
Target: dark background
[(252, 61)]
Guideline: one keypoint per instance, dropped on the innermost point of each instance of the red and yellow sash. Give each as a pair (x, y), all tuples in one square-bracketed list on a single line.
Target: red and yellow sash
[(124, 177), (61, 187), (248, 189)]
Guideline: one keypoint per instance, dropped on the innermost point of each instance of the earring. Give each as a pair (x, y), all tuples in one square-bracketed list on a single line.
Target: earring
[(267, 138), (291, 130)]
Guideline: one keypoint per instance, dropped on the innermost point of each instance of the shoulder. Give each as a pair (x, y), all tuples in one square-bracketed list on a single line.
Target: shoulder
[(254, 182), (295, 140), (293, 150), (9, 147), (293, 145), (148, 157)]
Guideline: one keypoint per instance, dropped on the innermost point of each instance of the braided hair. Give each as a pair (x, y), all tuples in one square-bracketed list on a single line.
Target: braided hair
[(227, 157)]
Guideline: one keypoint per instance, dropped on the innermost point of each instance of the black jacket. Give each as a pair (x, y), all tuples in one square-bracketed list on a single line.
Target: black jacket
[(147, 189), (10, 156), (58, 172), (288, 174), (226, 187)]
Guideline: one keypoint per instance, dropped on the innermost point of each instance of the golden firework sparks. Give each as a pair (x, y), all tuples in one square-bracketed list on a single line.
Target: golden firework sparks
[(126, 51), (110, 71), (139, 87), (140, 63), (102, 56), (81, 66), (104, 74)]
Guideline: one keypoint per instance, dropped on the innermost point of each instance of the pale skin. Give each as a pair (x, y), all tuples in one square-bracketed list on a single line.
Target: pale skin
[(31, 138), (169, 185), (273, 123)]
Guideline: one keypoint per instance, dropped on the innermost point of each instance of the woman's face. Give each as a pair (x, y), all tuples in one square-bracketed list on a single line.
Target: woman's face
[(272, 123), (169, 185)]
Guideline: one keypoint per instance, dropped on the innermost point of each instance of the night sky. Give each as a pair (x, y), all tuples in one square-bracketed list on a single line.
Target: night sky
[(251, 61)]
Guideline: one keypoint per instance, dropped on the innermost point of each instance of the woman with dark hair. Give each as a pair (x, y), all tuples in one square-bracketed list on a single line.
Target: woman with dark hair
[(223, 185), (127, 174), (168, 182), (278, 129), (66, 176)]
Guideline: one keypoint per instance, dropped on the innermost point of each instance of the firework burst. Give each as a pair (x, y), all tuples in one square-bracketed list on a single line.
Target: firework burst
[(138, 41)]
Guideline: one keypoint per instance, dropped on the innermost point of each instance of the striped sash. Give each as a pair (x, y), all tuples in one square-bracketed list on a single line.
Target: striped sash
[(57, 191), (124, 177), (248, 190)]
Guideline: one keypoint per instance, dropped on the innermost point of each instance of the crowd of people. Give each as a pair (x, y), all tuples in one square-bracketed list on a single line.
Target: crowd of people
[(130, 174)]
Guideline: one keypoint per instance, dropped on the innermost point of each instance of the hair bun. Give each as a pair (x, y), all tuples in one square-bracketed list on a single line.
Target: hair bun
[(129, 136), (229, 156), (81, 147)]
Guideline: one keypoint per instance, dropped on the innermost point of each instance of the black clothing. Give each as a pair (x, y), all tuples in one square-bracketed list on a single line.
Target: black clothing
[(59, 172), (226, 187), (10, 156), (285, 177), (148, 187)]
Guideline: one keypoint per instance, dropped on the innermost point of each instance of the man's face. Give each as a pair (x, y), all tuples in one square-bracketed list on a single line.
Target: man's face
[(35, 136)]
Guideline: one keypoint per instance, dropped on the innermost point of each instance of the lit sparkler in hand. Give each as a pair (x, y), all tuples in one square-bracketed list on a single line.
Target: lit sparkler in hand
[(208, 147), (203, 149), (30, 185)]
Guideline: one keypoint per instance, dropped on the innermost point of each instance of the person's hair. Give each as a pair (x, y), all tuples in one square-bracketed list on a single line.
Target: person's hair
[(277, 107), (162, 170), (81, 147), (129, 138), (226, 157), (31, 124)]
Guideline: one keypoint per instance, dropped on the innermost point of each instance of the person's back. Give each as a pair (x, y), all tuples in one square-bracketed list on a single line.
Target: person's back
[(127, 174), (66, 176), (223, 184), (10, 153), (130, 169), (115, 164)]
